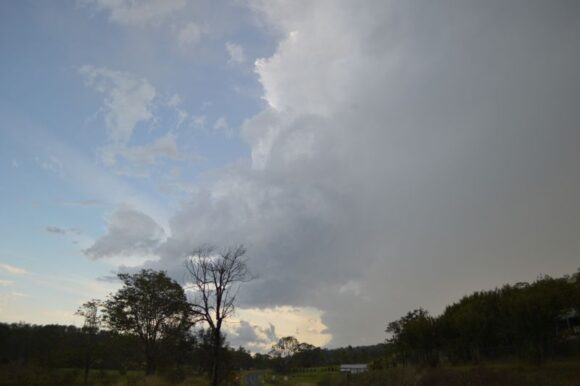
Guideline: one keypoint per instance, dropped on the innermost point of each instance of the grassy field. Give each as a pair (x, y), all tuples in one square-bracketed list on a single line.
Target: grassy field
[(310, 378), (502, 374), (33, 376), (498, 374)]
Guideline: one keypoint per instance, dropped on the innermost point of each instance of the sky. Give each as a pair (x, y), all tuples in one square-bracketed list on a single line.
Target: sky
[(373, 156)]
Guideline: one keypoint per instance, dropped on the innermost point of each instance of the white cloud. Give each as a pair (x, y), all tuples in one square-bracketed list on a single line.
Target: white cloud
[(129, 233), (52, 164), (140, 157), (199, 121), (12, 269), (189, 35), (259, 329), (221, 125), (174, 101), (6, 283), (128, 100), (136, 12), (235, 52)]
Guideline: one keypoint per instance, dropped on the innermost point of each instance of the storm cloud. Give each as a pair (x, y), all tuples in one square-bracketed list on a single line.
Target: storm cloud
[(410, 152)]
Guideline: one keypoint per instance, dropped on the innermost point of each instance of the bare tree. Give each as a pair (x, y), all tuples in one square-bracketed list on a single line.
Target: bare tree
[(92, 322), (216, 277)]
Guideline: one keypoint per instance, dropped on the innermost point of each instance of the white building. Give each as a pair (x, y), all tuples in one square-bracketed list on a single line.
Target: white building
[(354, 369)]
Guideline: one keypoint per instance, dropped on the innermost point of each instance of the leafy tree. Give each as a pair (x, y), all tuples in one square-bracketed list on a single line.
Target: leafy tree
[(415, 336), (215, 277), (286, 349), (151, 306), (514, 320)]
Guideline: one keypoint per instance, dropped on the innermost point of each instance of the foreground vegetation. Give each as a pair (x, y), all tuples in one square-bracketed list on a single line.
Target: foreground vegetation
[(522, 334), (561, 373), (534, 321), (550, 374), (11, 375)]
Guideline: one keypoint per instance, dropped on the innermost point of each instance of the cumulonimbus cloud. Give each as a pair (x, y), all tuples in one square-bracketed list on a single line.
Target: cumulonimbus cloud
[(421, 151)]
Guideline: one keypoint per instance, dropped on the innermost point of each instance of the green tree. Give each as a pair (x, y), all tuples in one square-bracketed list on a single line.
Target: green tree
[(151, 306), (285, 350)]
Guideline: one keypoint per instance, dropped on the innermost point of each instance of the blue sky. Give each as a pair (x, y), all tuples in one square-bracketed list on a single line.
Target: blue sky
[(53, 125), (374, 156)]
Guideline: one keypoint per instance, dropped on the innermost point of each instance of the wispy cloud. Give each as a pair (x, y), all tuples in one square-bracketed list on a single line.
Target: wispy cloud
[(85, 203), (235, 52), (129, 102), (189, 35), (51, 164), (12, 269), (62, 231), (55, 230), (136, 13)]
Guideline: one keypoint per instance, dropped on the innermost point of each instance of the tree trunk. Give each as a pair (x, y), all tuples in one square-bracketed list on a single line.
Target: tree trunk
[(216, 359), (149, 360), (87, 368), (89, 344), (150, 365)]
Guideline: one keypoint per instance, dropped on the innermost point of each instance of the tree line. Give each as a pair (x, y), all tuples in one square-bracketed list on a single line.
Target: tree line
[(61, 347), (532, 321), (149, 321)]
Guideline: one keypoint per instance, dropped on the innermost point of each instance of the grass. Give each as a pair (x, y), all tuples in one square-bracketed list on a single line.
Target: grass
[(31, 376), (565, 373), (298, 378)]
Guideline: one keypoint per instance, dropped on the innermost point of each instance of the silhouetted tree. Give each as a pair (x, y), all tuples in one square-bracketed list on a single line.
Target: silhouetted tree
[(285, 349), (514, 320), (149, 305), (215, 277), (92, 322)]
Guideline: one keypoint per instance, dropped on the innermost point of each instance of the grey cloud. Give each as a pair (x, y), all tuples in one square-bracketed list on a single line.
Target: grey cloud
[(420, 150), (55, 230), (108, 278), (129, 233), (63, 231), (271, 333), (253, 337), (245, 333)]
